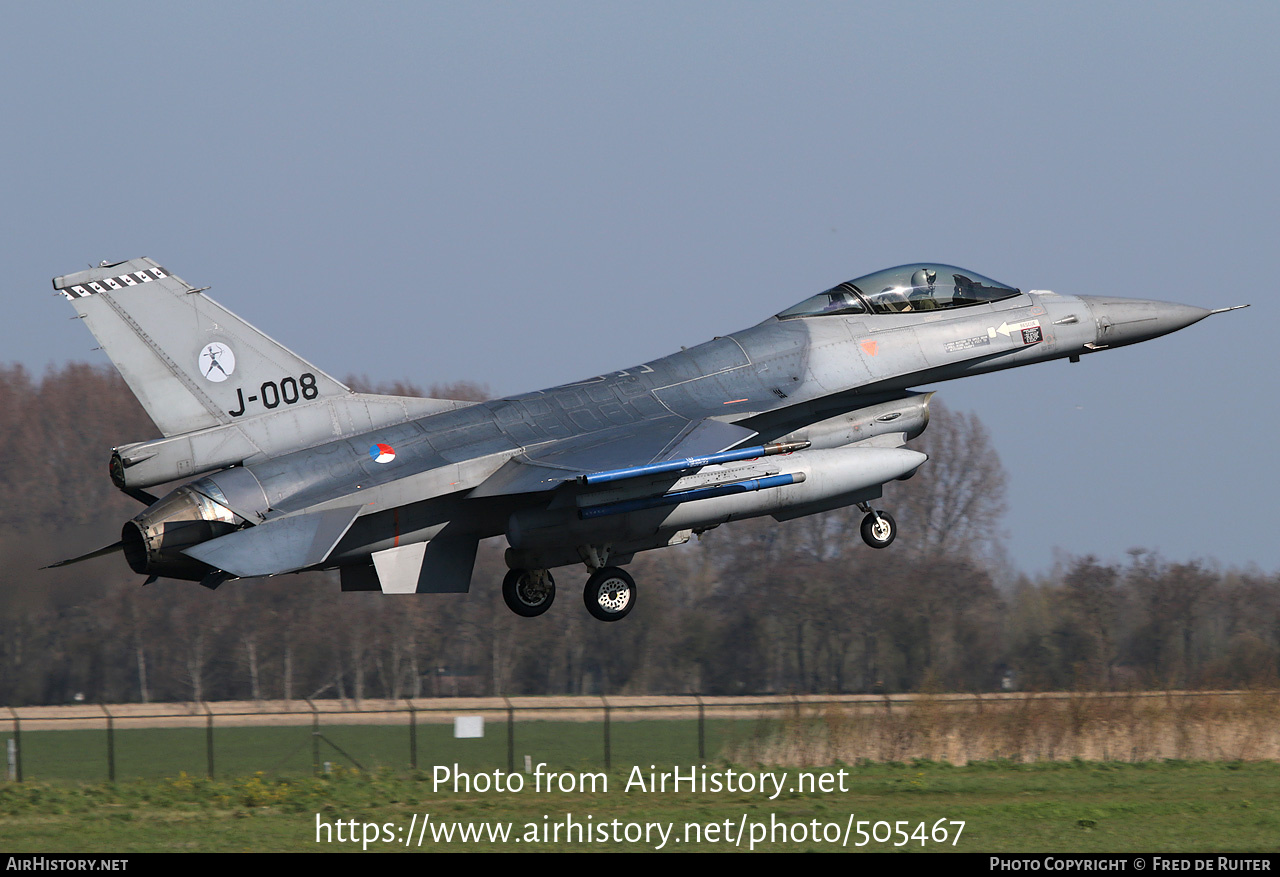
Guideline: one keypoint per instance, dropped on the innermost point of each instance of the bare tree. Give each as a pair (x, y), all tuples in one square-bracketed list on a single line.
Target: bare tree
[(1090, 590), (955, 502)]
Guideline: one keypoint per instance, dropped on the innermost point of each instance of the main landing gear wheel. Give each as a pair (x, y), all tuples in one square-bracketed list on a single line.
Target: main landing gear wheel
[(610, 594), (528, 594), (879, 529)]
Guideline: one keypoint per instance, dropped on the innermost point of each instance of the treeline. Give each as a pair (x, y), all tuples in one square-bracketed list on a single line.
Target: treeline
[(753, 607)]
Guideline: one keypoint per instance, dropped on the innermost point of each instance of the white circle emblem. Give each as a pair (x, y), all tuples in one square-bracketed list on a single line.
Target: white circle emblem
[(217, 362)]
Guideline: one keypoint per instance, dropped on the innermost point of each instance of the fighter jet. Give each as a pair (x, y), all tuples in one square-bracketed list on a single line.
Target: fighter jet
[(285, 469)]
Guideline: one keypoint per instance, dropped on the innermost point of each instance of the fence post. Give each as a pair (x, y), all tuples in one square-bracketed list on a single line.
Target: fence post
[(702, 730), (111, 743), (17, 744), (315, 736), (413, 734), (511, 735), (208, 738), (608, 749)]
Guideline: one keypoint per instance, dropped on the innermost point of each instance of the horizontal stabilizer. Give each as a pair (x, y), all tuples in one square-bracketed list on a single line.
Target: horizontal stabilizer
[(283, 545)]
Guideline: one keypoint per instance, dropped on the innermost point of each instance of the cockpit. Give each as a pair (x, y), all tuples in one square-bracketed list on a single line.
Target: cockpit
[(907, 288)]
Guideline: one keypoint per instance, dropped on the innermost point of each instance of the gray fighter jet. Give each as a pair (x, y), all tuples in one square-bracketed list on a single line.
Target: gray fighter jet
[(286, 469)]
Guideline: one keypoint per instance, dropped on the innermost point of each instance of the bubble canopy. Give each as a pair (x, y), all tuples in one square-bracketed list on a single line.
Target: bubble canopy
[(923, 286)]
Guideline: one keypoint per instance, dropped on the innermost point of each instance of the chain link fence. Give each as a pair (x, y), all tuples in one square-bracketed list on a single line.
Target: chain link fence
[(125, 741)]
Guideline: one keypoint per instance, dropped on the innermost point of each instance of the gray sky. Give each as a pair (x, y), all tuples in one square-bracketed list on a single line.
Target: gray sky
[(525, 194)]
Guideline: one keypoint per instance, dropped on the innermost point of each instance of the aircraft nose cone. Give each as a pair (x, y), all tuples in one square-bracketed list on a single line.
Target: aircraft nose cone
[(1129, 320)]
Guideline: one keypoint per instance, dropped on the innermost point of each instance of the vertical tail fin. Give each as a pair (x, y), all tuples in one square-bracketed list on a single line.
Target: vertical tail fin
[(192, 363)]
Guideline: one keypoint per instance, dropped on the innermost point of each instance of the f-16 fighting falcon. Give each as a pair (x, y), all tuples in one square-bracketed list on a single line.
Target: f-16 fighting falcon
[(286, 469)]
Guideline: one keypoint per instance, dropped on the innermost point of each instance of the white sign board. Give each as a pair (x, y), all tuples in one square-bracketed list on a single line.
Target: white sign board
[(468, 726)]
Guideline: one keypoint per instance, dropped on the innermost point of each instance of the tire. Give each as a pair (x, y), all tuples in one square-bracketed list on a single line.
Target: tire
[(610, 594), (523, 598), (879, 534)]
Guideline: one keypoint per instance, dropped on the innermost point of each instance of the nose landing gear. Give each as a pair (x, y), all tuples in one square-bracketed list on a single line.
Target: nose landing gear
[(879, 529)]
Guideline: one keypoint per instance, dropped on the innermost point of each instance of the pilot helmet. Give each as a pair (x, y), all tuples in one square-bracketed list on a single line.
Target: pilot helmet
[(923, 277)]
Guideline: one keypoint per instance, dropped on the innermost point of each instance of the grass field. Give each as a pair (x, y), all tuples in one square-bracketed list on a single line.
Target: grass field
[(264, 795), (288, 751), (1053, 807)]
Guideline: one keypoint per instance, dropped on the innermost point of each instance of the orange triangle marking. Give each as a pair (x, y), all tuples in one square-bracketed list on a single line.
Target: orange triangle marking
[(871, 348)]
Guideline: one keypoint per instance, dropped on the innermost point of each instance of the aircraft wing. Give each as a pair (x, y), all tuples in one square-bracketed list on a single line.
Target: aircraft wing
[(655, 441)]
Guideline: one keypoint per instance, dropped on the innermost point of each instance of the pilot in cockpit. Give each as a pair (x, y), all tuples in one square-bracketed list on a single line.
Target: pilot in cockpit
[(921, 297)]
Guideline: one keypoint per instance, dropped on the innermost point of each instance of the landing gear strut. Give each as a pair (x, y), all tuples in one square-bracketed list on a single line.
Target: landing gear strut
[(610, 593), (879, 529), (529, 592)]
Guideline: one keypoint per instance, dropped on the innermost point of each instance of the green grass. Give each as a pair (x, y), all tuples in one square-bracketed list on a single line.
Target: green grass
[(1056, 807), (288, 751), (264, 796)]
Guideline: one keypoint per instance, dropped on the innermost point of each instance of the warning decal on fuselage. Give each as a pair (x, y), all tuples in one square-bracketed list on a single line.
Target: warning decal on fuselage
[(967, 343), (1028, 330)]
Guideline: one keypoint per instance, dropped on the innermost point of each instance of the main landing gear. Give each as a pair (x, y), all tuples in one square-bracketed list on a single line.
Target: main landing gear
[(529, 592), (610, 593)]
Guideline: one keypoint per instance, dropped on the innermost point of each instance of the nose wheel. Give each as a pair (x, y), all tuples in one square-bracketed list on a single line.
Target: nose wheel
[(610, 594), (528, 592), (879, 529)]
